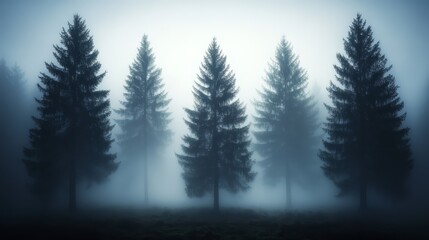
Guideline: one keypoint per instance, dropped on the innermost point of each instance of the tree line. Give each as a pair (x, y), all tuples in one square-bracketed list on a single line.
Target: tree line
[(365, 143)]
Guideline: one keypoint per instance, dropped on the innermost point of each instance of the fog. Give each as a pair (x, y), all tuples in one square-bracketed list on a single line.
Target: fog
[(248, 33)]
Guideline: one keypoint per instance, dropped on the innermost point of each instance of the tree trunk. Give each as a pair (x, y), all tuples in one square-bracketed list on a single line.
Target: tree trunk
[(288, 187), (215, 158), (216, 188), (75, 134), (72, 184), (363, 174), (363, 192), (146, 178)]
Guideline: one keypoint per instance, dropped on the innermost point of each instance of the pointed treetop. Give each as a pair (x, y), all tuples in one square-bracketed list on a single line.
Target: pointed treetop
[(78, 23), (145, 50), (214, 42), (214, 50), (78, 19), (283, 41), (144, 38), (284, 50), (359, 25), (145, 41), (359, 18)]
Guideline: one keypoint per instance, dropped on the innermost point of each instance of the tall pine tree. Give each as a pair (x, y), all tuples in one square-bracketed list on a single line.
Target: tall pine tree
[(215, 154), (286, 120), (72, 136), (366, 144), (144, 113)]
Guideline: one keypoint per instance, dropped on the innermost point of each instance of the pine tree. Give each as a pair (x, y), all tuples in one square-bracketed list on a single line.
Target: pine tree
[(72, 136), (366, 144), (216, 153), (144, 114), (286, 120)]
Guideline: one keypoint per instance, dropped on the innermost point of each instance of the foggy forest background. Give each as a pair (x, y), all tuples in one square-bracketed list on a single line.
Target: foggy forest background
[(177, 44)]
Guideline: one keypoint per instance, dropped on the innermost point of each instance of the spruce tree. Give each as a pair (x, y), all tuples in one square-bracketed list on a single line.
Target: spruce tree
[(216, 152), (72, 136), (366, 144), (145, 118), (286, 120)]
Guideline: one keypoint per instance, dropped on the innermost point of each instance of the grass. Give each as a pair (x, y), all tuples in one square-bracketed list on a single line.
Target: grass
[(206, 224)]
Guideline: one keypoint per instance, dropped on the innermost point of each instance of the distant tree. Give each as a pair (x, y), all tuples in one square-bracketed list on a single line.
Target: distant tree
[(286, 120), (11, 98), (366, 144), (13, 104), (72, 136), (145, 117), (216, 152)]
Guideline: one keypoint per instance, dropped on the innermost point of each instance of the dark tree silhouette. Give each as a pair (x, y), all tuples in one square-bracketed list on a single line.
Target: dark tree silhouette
[(216, 152), (366, 144), (144, 113), (285, 119), (72, 136)]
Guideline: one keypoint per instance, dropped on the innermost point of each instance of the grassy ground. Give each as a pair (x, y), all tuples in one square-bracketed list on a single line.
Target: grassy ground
[(204, 224)]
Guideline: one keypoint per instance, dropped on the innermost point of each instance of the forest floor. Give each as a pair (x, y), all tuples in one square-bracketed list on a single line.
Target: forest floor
[(205, 224)]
